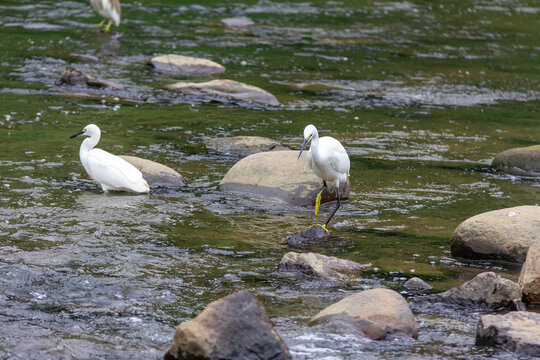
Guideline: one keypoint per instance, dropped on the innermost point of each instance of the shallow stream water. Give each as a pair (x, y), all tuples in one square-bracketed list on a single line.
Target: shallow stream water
[(423, 94)]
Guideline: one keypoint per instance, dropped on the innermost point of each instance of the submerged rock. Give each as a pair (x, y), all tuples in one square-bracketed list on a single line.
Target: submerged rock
[(485, 290), (417, 285), (529, 278), (233, 327), (313, 234), (517, 332), (315, 265), (519, 161), (226, 92), (377, 314), (185, 66), (154, 173), (242, 146), (75, 77), (278, 175), (504, 234)]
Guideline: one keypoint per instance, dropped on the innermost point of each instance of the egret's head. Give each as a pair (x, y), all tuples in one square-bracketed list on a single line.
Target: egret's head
[(89, 130), (309, 131)]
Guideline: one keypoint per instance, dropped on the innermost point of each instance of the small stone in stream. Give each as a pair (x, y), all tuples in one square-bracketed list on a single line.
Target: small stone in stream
[(85, 57), (417, 285), (73, 76), (314, 234), (238, 21), (517, 305)]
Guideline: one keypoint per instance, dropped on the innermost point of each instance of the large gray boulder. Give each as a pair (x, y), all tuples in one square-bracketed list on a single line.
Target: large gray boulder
[(242, 146), (517, 332), (154, 173), (529, 278), (226, 92), (319, 266), (519, 161), (233, 327), (504, 234), (485, 290), (278, 174), (185, 66), (377, 314)]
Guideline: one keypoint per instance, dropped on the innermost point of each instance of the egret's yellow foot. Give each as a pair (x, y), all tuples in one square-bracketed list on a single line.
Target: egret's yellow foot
[(317, 202), (99, 25), (321, 225), (108, 27)]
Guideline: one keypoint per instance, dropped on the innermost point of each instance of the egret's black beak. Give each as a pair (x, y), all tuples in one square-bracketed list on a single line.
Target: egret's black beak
[(303, 146), (77, 134)]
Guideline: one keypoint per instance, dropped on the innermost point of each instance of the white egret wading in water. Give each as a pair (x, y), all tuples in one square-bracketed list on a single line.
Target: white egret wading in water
[(329, 161), (109, 9), (110, 171)]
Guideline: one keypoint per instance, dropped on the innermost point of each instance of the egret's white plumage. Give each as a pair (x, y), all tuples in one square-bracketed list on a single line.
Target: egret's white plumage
[(328, 160), (109, 9), (110, 171)]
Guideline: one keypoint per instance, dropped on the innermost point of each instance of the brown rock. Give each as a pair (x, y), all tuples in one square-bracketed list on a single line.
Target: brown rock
[(504, 234), (377, 313), (225, 91), (154, 173), (517, 332), (73, 76), (529, 278), (233, 327), (519, 161), (185, 66), (486, 289), (319, 266), (242, 146), (278, 174)]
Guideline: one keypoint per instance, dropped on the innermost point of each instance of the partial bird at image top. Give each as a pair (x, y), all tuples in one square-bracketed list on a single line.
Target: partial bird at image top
[(110, 10)]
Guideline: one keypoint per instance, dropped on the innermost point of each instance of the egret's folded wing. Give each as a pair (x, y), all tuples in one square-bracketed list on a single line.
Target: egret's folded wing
[(111, 170)]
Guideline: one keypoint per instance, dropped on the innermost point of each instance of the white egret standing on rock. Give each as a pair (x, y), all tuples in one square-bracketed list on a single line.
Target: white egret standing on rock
[(110, 171), (329, 161), (109, 9)]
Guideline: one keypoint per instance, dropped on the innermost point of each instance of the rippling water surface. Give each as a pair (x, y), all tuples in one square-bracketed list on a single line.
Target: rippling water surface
[(422, 94)]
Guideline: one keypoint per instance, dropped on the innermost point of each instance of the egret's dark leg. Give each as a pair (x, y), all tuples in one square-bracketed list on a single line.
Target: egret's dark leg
[(337, 207)]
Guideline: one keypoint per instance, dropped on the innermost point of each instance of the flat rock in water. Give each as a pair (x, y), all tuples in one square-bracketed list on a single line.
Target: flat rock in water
[(319, 266), (517, 332), (529, 278), (75, 77), (154, 173), (233, 327), (519, 161), (377, 314), (485, 290), (504, 234), (279, 175), (313, 234), (242, 146), (226, 92), (238, 21), (185, 66), (417, 285)]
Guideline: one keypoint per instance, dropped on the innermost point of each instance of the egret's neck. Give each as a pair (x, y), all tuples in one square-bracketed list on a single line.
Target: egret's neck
[(87, 145), (315, 145)]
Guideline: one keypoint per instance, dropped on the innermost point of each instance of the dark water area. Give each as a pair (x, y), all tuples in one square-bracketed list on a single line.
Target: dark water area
[(422, 94)]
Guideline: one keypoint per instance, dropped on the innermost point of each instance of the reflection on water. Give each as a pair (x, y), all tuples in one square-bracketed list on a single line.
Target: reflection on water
[(422, 95)]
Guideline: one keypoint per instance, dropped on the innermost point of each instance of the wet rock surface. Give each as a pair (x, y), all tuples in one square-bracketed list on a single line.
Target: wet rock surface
[(184, 66), (75, 77), (377, 314), (417, 285), (313, 234), (517, 332), (242, 146), (487, 290), (529, 278), (233, 327), (154, 173), (226, 92), (503, 234), (519, 161), (238, 21), (313, 265), (279, 175)]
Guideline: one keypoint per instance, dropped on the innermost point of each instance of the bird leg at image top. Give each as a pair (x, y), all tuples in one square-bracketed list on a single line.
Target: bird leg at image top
[(97, 26), (108, 27), (337, 207), (318, 198)]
